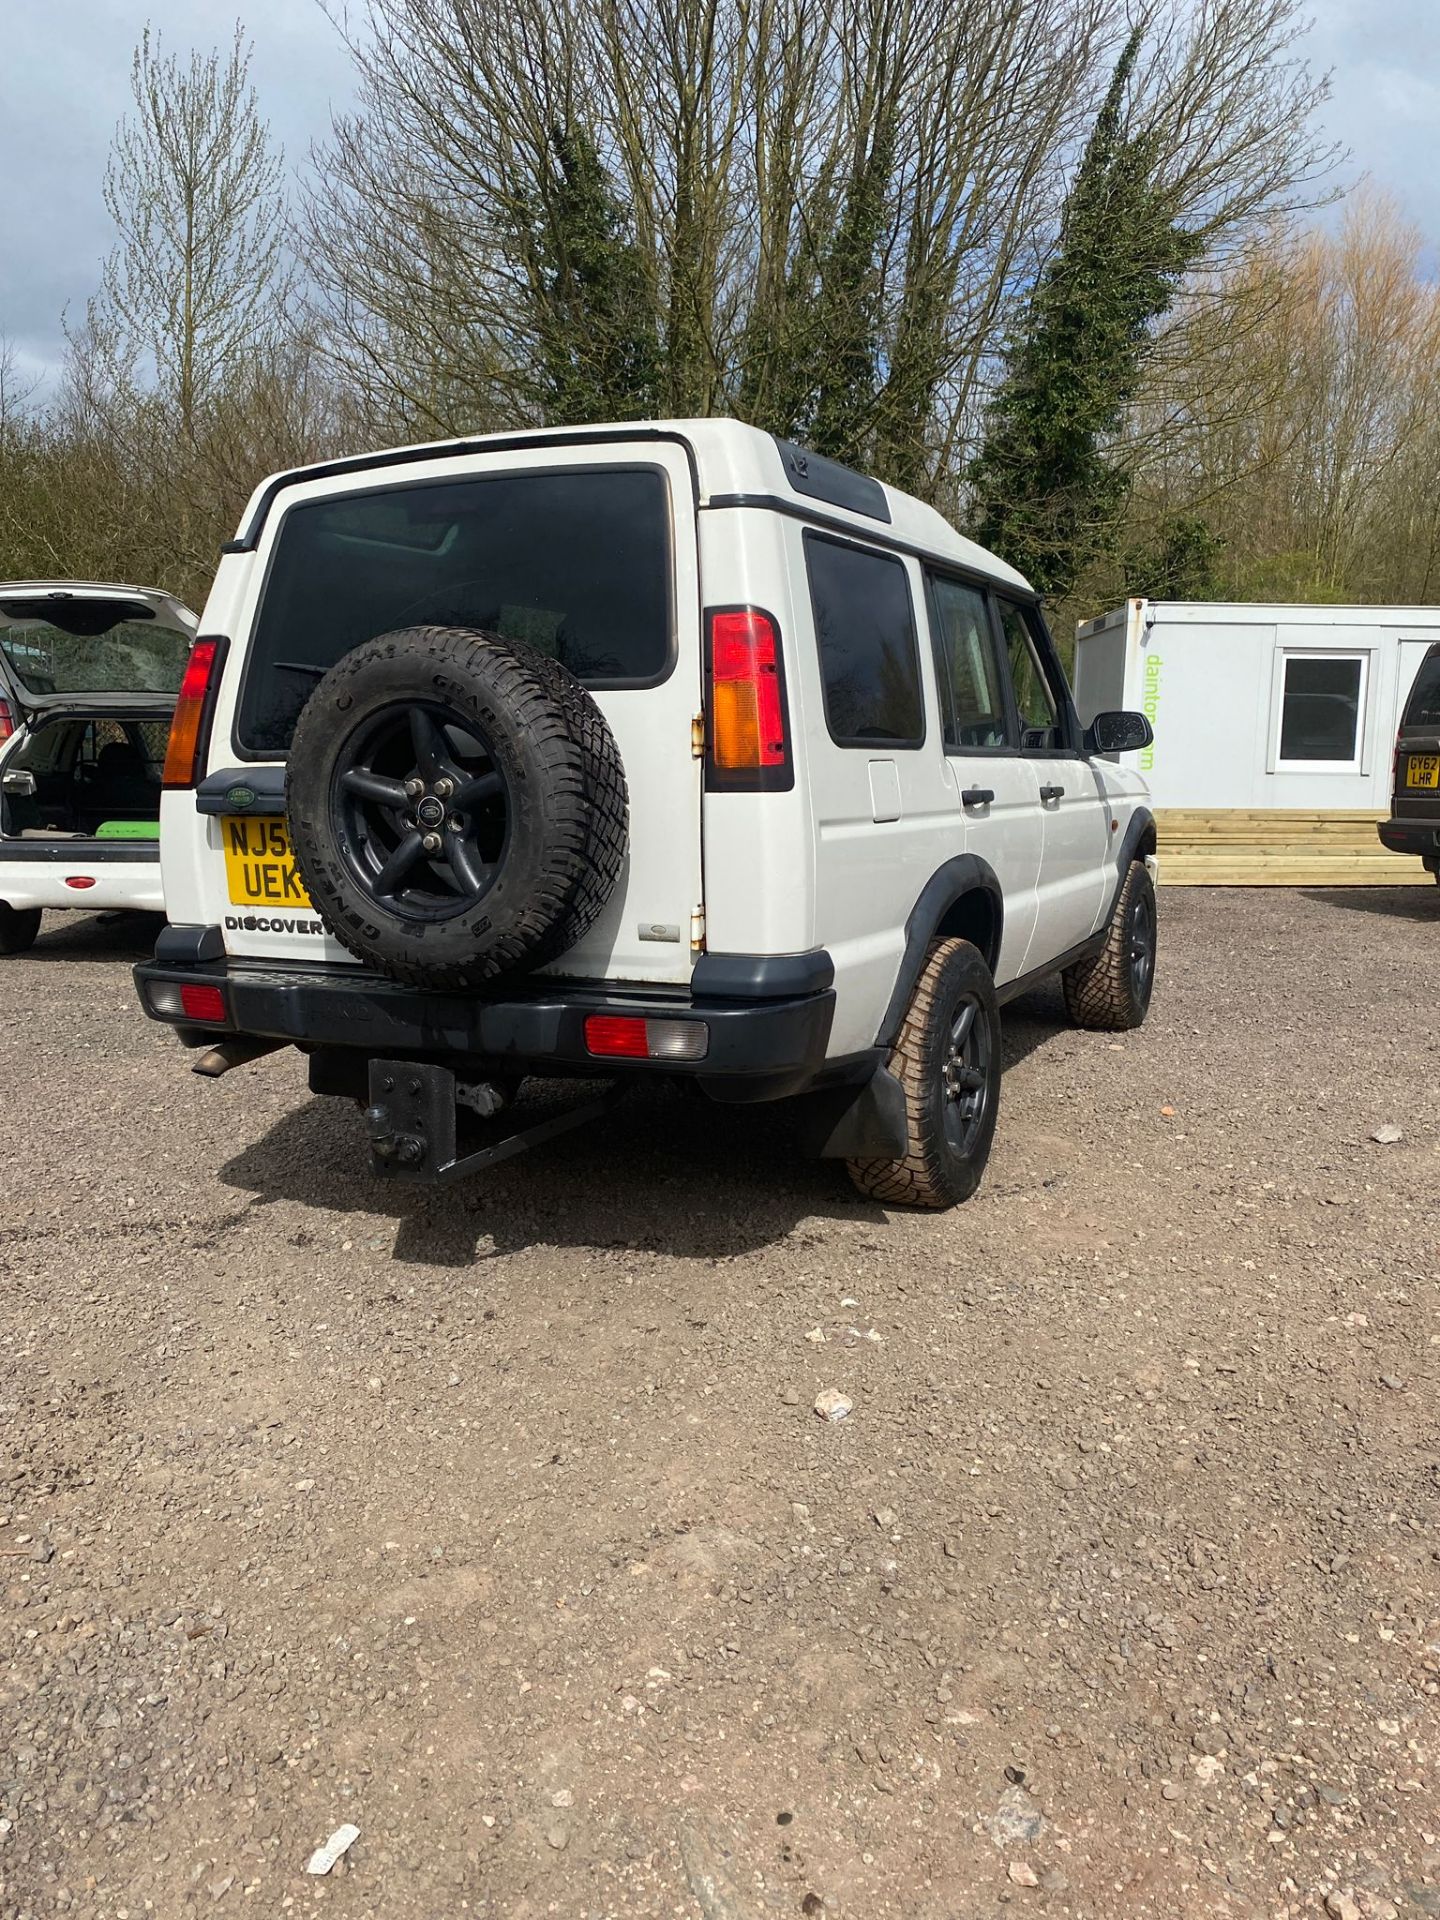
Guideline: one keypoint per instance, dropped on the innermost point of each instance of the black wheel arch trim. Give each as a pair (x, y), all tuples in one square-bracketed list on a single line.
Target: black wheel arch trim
[(1141, 828), (965, 873)]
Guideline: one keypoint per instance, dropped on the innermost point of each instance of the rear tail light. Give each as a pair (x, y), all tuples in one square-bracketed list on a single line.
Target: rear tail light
[(202, 1003), (80, 880), (632, 1037), (190, 728), (186, 1000), (7, 720), (748, 741)]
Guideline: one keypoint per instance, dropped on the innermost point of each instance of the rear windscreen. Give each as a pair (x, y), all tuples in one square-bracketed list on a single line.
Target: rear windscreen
[(1423, 706), (575, 565), (127, 656)]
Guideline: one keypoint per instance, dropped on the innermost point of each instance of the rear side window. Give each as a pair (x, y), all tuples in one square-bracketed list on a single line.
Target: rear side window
[(1423, 707), (575, 565), (968, 667), (869, 657)]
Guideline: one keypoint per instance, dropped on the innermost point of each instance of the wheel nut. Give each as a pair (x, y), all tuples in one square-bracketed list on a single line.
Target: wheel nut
[(414, 788), (444, 787), (431, 843)]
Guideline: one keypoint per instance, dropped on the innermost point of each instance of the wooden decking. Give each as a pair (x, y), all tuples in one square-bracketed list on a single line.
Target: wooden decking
[(1236, 848)]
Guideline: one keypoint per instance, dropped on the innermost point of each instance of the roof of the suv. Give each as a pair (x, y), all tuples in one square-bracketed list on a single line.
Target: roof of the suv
[(734, 464)]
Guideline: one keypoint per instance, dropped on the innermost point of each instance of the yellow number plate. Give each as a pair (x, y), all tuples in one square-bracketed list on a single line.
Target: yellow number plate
[(1423, 770), (259, 866)]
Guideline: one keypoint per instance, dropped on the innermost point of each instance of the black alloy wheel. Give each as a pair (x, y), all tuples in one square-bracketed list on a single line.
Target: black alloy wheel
[(1140, 930), (966, 1079), (423, 810)]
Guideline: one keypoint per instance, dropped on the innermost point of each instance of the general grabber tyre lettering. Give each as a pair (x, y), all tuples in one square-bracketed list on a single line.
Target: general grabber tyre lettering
[(947, 1059), (18, 928), (457, 805), (1111, 992)]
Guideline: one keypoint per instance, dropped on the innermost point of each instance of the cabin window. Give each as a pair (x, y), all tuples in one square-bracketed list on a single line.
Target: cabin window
[(1322, 710)]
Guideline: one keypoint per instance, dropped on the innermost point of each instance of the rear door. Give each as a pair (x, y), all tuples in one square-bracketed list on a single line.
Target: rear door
[(883, 800), (587, 554), (994, 787), (1066, 788)]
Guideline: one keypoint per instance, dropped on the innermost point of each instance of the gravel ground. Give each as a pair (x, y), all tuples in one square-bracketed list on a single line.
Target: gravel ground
[(498, 1521)]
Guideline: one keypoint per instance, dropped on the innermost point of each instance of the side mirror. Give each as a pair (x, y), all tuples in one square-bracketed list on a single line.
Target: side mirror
[(1118, 733)]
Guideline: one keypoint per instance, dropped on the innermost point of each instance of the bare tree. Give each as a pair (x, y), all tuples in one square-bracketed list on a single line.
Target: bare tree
[(831, 206), (197, 279)]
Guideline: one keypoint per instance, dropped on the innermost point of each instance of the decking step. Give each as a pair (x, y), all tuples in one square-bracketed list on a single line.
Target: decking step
[(1239, 847)]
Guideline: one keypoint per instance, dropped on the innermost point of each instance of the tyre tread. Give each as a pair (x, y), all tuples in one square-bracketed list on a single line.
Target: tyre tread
[(1099, 992)]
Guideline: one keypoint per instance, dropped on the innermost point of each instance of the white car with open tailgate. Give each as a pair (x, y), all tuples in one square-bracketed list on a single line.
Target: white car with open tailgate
[(88, 678)]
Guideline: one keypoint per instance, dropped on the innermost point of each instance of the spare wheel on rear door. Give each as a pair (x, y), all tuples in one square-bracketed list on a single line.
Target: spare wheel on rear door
[(457, 805)]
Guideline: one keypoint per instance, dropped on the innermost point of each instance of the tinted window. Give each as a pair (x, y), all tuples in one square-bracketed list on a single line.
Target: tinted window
[(1320, 711), (576, 565), (1039, 716), (869, 660), (1423, 707), (974, 713)]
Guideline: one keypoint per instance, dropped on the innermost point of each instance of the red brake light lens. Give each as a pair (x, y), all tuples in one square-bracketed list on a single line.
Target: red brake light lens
[(7, 720), (623, 1036), (616, 1036), (202, 1003), (749, 746), (192, 709)]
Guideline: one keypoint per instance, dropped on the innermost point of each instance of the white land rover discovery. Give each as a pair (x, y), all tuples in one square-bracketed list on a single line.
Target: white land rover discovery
[(652, 749)]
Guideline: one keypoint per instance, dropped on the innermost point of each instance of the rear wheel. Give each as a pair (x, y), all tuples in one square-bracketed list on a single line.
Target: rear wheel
[(1111, 992), (18, 928), (947, 1059)]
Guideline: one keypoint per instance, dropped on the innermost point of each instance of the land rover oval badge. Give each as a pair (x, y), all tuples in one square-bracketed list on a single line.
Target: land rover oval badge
[(240, 797)]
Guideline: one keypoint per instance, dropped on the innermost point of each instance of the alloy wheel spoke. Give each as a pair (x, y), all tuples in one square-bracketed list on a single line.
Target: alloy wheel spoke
[(471, 793), (399, 863), (366, 785), (960, 1031), (428, 743), (471, 871)]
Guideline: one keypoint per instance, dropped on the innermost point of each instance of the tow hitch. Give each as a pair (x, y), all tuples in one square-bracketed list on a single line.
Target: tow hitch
[(413, 1126)]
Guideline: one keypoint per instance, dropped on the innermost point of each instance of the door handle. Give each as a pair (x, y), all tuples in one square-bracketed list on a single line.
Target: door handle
[(1051, 793), (977, 796)]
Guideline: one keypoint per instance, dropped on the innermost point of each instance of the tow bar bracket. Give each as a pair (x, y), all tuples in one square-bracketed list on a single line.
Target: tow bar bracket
[(412, 1123)]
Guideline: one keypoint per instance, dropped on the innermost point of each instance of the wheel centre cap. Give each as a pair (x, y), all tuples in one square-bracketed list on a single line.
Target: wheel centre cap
[(430, 811)]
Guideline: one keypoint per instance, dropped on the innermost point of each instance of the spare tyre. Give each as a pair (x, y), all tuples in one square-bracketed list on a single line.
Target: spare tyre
[(457, 805)]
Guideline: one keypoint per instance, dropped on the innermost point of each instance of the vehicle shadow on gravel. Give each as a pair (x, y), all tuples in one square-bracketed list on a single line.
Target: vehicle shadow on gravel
[(664, 1170), (1394, 903), (97, 936)]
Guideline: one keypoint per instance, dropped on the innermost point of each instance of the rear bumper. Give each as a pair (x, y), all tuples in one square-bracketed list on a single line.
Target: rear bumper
[(757, 1048), (42, 874), (1418, 836)]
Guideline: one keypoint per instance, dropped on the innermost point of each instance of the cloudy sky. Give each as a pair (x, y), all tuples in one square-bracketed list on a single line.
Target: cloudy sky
[(64, 82)]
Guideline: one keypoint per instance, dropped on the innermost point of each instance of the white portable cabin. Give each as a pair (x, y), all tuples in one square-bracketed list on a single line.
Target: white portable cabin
[(1274, 732)]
